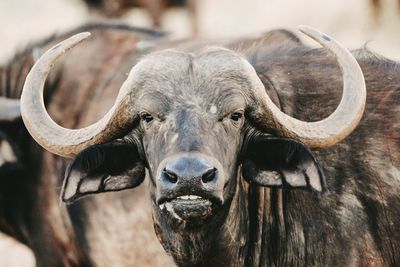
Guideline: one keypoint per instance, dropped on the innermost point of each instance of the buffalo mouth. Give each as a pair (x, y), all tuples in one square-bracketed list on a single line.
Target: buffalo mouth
[(190, 208)]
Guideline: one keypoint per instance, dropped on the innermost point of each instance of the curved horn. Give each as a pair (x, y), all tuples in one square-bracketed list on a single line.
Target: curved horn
[(51, 136), (9, 109), (340, 123)]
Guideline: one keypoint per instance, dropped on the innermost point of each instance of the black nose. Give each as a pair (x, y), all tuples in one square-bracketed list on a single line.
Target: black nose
[(189, 170)]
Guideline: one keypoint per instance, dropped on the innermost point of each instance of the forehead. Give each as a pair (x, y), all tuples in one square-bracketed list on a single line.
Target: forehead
[(209, 75)]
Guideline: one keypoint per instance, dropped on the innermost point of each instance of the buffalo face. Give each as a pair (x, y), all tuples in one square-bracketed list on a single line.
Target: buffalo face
[(192, 130)]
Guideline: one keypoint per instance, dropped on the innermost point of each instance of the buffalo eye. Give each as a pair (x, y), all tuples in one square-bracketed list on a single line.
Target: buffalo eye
[(146, 117), (236, 116)]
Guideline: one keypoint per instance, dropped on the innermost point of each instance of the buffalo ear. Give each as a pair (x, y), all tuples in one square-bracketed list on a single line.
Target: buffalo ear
[(280, 162), (102, 168)]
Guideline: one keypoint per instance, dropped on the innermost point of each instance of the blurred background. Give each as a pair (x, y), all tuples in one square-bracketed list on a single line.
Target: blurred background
[(352, 22)]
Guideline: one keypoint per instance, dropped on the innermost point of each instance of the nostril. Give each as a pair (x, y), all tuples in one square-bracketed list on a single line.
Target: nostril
[(209, 175), (170, 176)]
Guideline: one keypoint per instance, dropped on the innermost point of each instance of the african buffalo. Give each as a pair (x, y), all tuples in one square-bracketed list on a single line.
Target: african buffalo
[(226, 163), (30, 178)]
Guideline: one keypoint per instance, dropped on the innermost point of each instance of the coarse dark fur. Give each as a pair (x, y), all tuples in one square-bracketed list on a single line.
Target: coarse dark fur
[(355, 223)]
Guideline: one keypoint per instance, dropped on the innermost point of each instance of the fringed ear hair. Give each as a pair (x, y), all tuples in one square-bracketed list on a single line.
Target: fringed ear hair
[(102, 168), (281, 162)]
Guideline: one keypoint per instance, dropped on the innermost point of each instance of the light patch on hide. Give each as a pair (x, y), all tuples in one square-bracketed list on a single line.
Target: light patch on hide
[(6, 153), (298, 239), (377, 161), (350, 208), (392, 170), (174, 138), (90, 185), (213, 109)]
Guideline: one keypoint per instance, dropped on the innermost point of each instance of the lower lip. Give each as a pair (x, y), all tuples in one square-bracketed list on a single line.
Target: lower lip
[(189, 210)]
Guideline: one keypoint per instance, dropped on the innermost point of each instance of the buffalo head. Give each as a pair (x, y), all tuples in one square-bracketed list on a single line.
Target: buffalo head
[(197, 122)]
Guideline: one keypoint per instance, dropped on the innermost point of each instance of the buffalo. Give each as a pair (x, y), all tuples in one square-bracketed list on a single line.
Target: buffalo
[(249, 162), (30, 178)]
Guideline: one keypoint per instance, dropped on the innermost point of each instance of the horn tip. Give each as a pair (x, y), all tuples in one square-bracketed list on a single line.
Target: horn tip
[(310, 31), (79, 37), (83, 35)]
